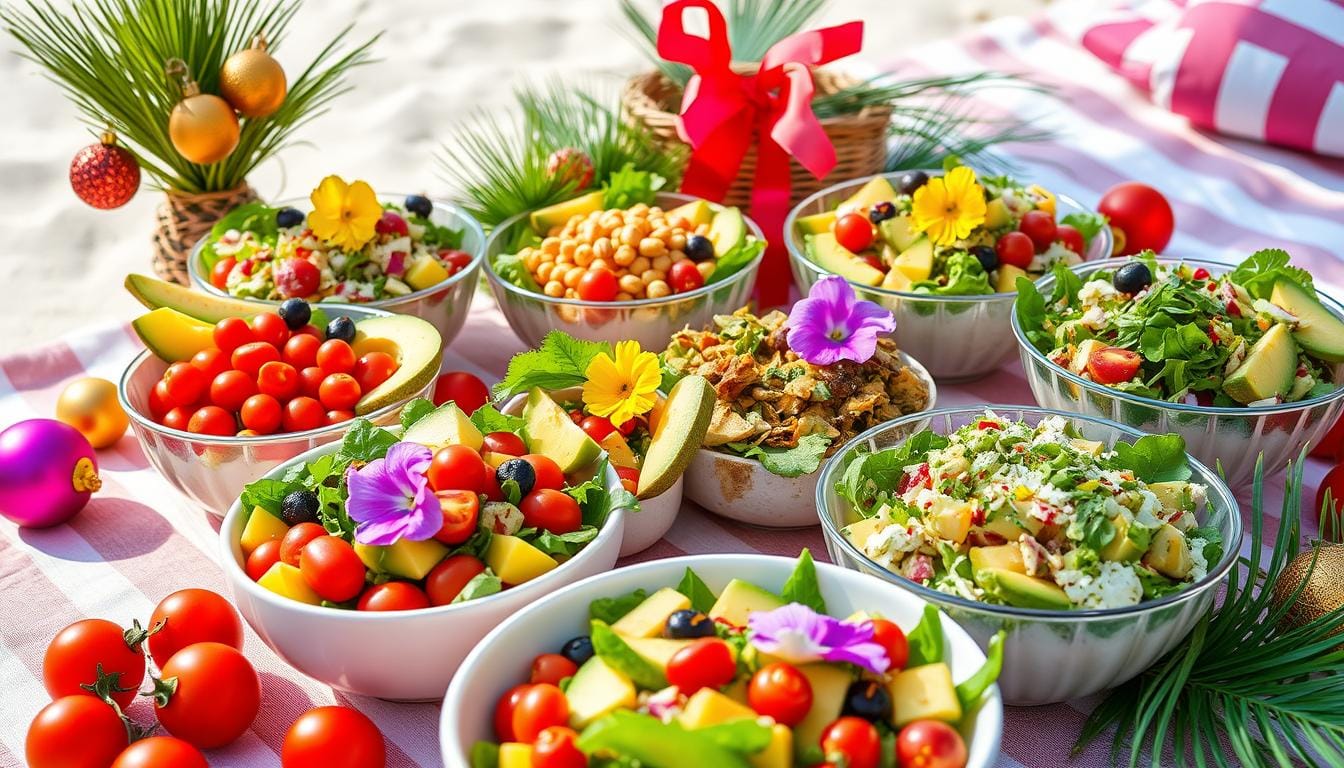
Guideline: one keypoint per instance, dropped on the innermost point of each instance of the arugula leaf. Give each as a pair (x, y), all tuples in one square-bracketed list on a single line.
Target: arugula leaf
[(484, 754), (702, 597), (482, 584), (611, 609), (628, 186), (1258, 273), (561, 361), (1088, 225), (802, 459), (872, 476), (926, 639), (365, 442), (1154, 458), (266, 494), (414, 411), (972, 688), (488, 419), (564, 543), (1067, 284), (596, 502), (802, 587), (621, 657), (736, 259)]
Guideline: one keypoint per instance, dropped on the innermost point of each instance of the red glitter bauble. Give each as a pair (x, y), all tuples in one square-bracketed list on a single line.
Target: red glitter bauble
[(105, 175)]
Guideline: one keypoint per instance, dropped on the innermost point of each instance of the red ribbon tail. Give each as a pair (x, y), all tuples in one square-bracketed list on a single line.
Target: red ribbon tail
[(769, 207)]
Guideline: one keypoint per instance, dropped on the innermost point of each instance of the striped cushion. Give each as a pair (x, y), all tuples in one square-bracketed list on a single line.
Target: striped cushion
[(1270, 70)]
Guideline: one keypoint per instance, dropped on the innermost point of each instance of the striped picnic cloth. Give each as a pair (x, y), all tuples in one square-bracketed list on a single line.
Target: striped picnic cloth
[(137, 541)]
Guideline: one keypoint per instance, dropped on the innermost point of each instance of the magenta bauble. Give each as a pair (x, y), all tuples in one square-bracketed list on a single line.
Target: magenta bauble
[(48, 470)]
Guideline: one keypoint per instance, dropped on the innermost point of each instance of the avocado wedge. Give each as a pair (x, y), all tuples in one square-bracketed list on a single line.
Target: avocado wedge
[(417, 347), (155, 293), (678, 435), (1318, 331)]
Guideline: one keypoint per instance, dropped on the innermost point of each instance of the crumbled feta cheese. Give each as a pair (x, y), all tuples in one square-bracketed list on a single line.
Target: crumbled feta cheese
[(1115, 586), (1199, 565), (1092, 293), (890, 545)]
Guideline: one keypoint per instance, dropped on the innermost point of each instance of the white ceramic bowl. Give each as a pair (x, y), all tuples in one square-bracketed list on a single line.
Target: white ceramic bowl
[(744, 490), (654, 518), (501, 660), (399, 655)]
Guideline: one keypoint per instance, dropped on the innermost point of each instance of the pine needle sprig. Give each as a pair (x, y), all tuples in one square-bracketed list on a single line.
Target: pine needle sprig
[(109, 57), (1241, 683)]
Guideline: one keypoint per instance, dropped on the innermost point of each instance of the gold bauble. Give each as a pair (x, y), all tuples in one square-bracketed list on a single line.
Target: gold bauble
[(252, 81), (203, 127), (91, 406), (1324, 591)]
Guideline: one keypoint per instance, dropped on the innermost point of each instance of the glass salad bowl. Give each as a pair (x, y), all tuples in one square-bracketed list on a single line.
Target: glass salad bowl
[(445, 304), (1229, 438), (651, 322), (958, 338), (1049, 655)]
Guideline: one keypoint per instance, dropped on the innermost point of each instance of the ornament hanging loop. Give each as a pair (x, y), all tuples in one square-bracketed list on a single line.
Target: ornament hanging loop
[(178, 71), (259, 42)]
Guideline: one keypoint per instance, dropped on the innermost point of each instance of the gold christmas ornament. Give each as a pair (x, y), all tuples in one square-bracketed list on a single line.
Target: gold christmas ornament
[(252, 81), (90, 405), (1324, 590), (202, 126)]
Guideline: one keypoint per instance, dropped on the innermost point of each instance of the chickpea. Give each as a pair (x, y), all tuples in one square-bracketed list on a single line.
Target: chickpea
[(602, 248), (572, 276), (677, 256), (600, 264), (567, 248), (640, 209), (624, 256), (554, 289), (583, 254), (543, 271), (623, 296), (640, 264), (551, 245), (661, 263), (656, 210), (631, 284), (706, 268), (629, 235), (658, 289), (531, 260), (661, 232), (677, 241), (564, 259), (652, 247), (650, 276)]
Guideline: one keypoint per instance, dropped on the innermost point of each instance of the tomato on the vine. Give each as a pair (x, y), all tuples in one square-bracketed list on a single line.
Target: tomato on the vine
[(892, 639), (333, 737), (853, 232), (547, 471), (457, 468), (461, 510), (330, 566), (552, 510), (780, 691), (216, 697), (74, 654), (75, 732), (161, 752), (930, 744), (504, 711), (191, 616), (468, 391), (1112, 365), (538, 708), (393, 596), (705, 663), (504, 442), (557, 747), (854, 741), (552, 668), (1016, 249), (446, 580)]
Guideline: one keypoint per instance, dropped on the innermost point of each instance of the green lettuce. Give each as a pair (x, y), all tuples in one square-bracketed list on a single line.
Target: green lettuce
[(802, 459)]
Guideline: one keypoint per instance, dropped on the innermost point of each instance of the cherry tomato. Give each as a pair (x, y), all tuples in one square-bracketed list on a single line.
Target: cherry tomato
[(556, 747), (930, 744), (504, 442), (446, 580), (250, 357), (262, 558), (1331, 445), (684, 276), (460, 260), (339, 391), (780, 691), (552, 510), (1016, 249), (540, 707), (338, 416), (1112, 365), (504, 711), (157, 402), (279, 380), (296, 277), (875, 262), (212, 420), (891, 638), (853, 232), (373, 369), (217, 696), (576, 416), (628, 427), (335, 356), (268, 327), (74, 654), (296, 538), (311, 330), (1333, 482), (705, 663), (185, 384), (597, 427), (261, 414), (161, 752), (331, 567), (391, 224), (457, 468), (301, 351), (192, 616), (75, 732), (232, 333), (629, 478), (599, 285), (230, 389), (1071, 239), (311, 377), (210, 362), (177, 418), (854, 741), (393, 596), (547, 471), (1140, 217), (1040, 227), (333, 737), (461, 510), (303, 413), (552, 668), (219, 274), (462, 388)]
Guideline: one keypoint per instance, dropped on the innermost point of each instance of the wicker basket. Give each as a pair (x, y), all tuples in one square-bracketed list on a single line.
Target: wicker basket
[(185, 218), (860, 139)]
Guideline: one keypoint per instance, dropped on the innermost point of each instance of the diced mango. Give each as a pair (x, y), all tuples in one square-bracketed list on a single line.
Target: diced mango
[(618, 450), (285, 580), (494, 459), (424, 273), (739, 599), (830, 682), (649, 617), (261, 527), (512, 754), (709, 707), (951, 519), (657, 650), (1169, 554), (515, 561), (1005, 556), (405, 558), (779, 754), (598, 690), (924, 693), (858, 533)]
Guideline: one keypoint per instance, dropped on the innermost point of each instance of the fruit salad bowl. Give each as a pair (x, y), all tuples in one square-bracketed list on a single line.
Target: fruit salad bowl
[(444, 304), (957, 337), (1230, 438), (401, 655), (210, 469), (495, 665), (650, 321), (1050, 655)]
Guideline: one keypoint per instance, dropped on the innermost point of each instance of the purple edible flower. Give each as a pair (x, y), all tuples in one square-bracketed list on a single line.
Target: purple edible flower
[(797, 634), (832, 324), (390, 498)]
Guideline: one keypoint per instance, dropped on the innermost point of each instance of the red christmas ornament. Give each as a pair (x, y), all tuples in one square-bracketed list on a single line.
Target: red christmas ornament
[(571, 164), (105, 175)]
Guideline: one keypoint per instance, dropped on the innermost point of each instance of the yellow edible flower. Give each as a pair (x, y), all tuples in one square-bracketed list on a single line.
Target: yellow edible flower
[(343, 214), (625, 387), (1089, 485), (950, 207), (1022, 493)]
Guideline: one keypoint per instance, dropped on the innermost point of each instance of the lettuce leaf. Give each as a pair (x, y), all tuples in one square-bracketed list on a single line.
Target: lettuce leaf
[(802, 586), (1030, 306), (1258, 273), (1088, 224), (610, 609), (628, 186), (1154, 458), (692, 586), (488, 419), (736, 259), (561, 361), (926, 639), (481, 585), (965, 277), (802, 459)]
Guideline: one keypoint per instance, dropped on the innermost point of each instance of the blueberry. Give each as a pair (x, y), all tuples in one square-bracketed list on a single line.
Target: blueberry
[(699, 248), (299, 507), (1132, 277), (578, 649), (912, 180), (296, 313), (987, 256), (342, 328), (288, 217), (882, 211), (869, 700), (419, 205), (688, 623), (520, 472)]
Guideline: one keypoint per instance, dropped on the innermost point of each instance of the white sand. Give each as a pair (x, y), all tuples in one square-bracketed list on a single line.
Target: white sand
[(62, 263)]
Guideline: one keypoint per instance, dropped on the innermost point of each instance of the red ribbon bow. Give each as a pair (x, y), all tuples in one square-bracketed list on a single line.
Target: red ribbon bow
[(722, 112)]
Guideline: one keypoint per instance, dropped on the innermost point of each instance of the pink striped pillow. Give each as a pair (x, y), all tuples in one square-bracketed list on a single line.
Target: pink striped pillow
[(1270, 70)]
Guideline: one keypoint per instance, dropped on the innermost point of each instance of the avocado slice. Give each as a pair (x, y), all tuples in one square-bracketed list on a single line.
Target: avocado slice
[(740, 599), (417, 347), (830, 684), (727, 231), (173, 336), (877, 190), (678, 436), (658, 651), (1268, 369), (550, 431), (447, 425), (155, 293), (1318, 330), (916, 261), (649, 617), (1130, 542), (597, 690), (899, 232), (557, 215), (925, 692), (816, 223), (697, 212), (1021, 590), (833, 257), (997, 214)]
